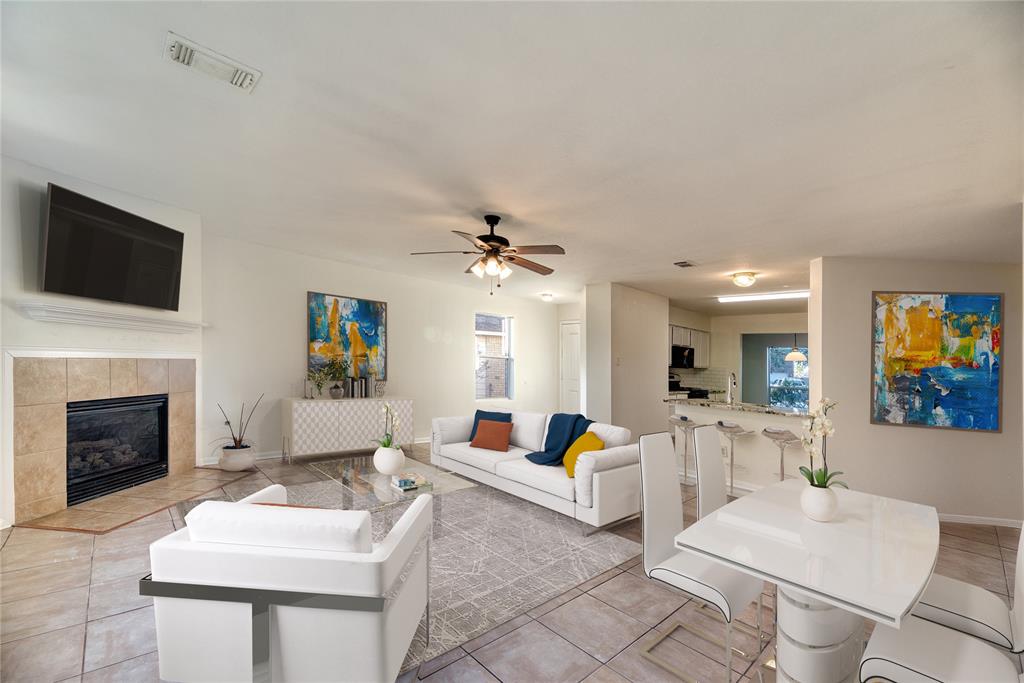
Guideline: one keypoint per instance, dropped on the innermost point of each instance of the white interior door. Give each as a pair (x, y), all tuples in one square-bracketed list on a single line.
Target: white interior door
[(569, 368)]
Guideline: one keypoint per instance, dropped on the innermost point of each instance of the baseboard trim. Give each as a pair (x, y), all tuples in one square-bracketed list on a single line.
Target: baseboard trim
[(261, 455), (973, 519), (747, 487)]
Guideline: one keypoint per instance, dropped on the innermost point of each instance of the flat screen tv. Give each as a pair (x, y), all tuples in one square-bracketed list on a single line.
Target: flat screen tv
[(95, 250)]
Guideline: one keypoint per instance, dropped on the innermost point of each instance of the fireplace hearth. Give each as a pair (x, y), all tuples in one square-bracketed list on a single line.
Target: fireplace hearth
[(113, 444)]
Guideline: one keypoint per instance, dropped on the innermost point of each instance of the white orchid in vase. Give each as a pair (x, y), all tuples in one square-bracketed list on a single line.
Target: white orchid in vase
[(390, 427), (819, 426)]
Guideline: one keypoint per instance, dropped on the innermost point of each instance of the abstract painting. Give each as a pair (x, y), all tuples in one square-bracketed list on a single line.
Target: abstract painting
[(345, 328), (936, 360)]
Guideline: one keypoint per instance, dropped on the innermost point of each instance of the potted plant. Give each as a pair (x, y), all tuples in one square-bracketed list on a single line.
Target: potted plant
[(236, 452), (318, 378), (337, 371), (388, 458), (819, 501)]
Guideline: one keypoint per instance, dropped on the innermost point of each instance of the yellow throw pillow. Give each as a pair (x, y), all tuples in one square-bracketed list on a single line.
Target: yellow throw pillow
[(586, 443)]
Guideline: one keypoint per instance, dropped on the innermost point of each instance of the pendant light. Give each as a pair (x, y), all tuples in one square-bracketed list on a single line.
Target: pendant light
[(796, 355)]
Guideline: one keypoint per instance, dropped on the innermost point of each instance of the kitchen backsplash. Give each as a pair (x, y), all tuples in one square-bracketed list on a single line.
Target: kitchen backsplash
[(712, 379)]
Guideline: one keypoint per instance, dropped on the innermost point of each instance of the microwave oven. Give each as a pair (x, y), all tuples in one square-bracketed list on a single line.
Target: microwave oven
[(682, 357)]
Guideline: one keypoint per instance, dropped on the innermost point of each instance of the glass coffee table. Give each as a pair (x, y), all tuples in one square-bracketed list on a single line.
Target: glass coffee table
[(354, 484)]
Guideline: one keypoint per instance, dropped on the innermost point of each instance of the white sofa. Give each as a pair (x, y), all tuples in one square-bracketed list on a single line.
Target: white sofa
[(606, 487), (304, 588)]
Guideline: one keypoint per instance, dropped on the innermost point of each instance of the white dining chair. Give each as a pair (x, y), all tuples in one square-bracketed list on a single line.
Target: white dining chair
[(922, 652), (711, 486), (975, 611), (727, 590)]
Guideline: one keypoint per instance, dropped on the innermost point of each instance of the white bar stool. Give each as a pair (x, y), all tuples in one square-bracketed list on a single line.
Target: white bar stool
[(687, 425), (783, 438), (731, 431)]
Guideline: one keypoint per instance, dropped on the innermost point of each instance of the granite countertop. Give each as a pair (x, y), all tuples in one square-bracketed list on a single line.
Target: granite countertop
[(742, 407)]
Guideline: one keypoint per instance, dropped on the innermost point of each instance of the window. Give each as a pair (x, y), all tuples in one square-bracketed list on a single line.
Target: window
[(787, 380), (494, 365)]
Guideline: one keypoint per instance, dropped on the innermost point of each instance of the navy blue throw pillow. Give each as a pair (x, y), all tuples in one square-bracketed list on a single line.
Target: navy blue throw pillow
[(488, 415)]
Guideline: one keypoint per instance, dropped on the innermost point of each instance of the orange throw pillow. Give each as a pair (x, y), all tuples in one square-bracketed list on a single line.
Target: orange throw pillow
[(492, 435)]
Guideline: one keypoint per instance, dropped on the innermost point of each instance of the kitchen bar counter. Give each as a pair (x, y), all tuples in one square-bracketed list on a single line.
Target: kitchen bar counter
[(738, 406), (757, 456)]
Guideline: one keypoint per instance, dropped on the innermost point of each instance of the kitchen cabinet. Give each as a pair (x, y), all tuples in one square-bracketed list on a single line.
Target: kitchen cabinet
[(699, 340), (701, 343), (680, 335)]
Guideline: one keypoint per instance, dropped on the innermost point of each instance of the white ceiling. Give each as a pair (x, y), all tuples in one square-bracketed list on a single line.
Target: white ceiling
[(735, 135)]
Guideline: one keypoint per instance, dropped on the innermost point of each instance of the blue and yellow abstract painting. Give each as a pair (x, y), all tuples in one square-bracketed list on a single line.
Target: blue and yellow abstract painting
[(936, 360), (341, 327)]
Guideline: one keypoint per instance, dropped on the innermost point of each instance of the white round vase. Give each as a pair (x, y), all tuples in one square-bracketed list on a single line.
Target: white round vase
[(388, 460), (236, 459), (819, 504)]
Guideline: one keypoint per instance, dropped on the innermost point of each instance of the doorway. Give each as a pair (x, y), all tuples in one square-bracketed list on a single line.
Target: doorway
[(569, 367)]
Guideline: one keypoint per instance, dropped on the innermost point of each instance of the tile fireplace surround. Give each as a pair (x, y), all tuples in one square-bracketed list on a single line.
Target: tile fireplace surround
[(44, 386)]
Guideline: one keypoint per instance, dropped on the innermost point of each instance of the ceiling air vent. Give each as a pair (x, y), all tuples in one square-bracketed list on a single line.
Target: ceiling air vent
[(194, 56), (685, 264)]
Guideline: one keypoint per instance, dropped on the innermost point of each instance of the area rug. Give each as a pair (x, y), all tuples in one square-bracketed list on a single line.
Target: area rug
[(493, 557)]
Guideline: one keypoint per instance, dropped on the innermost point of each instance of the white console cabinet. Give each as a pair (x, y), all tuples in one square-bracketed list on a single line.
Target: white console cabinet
[(330, 426)]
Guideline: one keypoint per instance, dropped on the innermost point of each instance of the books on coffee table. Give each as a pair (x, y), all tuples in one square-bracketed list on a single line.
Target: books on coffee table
[(407, 481)]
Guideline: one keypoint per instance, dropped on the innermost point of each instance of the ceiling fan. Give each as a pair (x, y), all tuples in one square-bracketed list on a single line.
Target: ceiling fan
[(495, 253)]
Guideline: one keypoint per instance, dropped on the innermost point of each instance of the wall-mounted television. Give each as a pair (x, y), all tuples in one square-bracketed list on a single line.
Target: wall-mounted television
[(95, 250)]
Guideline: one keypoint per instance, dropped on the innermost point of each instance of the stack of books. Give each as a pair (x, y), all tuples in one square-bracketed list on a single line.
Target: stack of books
[(407, 481)]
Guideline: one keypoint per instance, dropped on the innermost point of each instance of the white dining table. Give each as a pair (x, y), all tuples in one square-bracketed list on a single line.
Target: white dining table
[(873, 560)]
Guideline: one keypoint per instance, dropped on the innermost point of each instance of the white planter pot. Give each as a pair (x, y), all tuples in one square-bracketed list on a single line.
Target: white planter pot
[(236, 459), (389, 460), (819, 504)]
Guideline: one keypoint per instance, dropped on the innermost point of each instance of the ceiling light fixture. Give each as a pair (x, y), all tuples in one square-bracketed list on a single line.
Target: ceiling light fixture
[(546, 297), (504, 271), (744, 279), (771, 296), (478, 268), (796, 355), (491, 265)]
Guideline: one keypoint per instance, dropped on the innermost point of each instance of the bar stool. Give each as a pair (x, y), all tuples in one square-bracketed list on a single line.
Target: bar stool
[(783, 438), (687, 425), (731, 431)]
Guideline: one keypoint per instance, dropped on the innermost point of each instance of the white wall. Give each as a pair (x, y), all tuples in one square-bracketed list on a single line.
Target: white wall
[(727, 335), (960, 473), (692, 319), (23, 199), (570, 311), (255, 306), (640, 357), (596, 389)]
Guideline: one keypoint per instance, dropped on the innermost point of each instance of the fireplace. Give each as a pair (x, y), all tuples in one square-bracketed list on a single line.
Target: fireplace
[(114, 444)]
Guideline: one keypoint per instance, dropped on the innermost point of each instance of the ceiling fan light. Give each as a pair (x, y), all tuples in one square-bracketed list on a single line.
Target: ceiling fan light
[(491, 266), (478, 268), (744, 279), (504, 271)]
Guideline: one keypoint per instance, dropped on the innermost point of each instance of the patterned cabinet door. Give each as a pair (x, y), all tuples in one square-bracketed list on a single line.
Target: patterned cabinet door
[(403, 409), (315, 427), (362, 422)]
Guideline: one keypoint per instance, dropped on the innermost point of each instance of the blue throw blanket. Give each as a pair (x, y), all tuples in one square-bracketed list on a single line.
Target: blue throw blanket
[(563, 430)]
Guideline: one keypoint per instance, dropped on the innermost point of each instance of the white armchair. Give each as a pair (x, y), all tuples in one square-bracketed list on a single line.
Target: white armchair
[(256, 592)]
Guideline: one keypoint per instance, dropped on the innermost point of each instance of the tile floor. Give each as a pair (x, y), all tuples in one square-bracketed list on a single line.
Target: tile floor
[(115, 510), (70, 609)]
